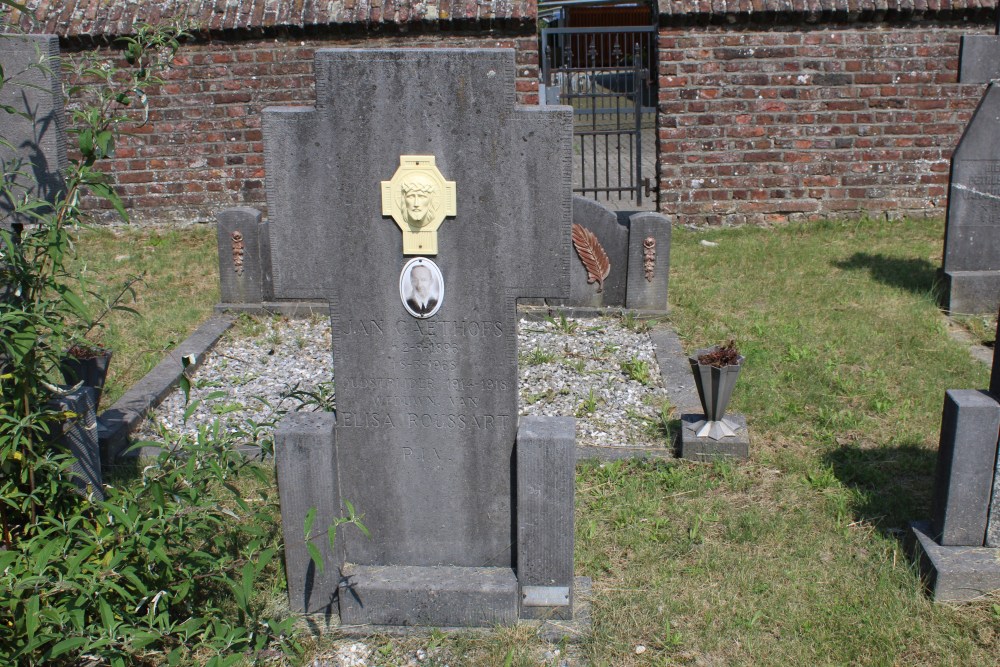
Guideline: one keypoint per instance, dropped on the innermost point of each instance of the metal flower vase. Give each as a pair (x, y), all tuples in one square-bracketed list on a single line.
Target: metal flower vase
[(89, 367), (715, 388)]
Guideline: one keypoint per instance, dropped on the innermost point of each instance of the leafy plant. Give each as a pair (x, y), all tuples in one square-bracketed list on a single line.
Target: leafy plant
[(563, 324), (630, 320), (44, 313), (589, 404), (169, 562), (636, 369), (538, 356)]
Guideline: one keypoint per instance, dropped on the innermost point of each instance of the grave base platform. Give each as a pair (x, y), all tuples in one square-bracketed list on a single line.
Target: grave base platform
[(973, 292), (953, 574), (551, 630), (705, 448), (440, 596)]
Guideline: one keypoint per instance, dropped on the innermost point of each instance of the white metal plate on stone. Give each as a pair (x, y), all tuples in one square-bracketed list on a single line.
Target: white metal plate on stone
[(545, 596)]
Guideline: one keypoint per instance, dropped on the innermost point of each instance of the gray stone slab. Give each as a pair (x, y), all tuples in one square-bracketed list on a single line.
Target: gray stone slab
[(404, 595), (612, 233), (241, 255), (426, 401), (994, 361), (426, 407), (993, 522), (32, 68), (572, 631), (972, 235), (267, 277), (546, 476), (979, 59), (954, 574), (305, 449), (972, 292), (648, 261), (675, 369), (79, 436), (124, 416), (706, 449), (967, 456)]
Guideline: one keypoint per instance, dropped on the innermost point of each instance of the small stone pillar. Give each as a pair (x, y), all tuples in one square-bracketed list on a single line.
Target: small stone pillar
[(305, 462), (244, 256), (648, 261), (546, 475), (957, 549)]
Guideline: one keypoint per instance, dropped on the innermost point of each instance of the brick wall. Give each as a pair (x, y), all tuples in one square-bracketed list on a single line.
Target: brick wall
[(773, 125), (202, 148)]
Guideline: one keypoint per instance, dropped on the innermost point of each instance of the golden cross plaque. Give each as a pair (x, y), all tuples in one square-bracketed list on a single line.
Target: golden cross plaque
[(418, 198)]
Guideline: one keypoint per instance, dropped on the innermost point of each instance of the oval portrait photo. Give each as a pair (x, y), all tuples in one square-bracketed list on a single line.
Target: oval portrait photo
[(421, 287)]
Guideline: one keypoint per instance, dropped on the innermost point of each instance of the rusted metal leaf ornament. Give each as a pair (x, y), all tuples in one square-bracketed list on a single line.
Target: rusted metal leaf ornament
[(594, 259)]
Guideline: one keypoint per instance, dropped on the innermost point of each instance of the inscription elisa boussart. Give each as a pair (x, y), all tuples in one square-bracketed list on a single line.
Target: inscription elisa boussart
[(418, 198), (421, 287)]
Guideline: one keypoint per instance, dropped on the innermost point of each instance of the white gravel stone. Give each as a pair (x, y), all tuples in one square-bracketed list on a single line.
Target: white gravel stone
[(251, 376)]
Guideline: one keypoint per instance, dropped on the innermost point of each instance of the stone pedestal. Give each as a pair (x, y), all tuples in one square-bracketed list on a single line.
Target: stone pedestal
[(705, 449), (957, 550), (954, 574)]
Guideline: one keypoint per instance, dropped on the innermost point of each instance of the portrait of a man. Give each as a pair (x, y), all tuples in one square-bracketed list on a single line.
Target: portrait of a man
[(421, 287)]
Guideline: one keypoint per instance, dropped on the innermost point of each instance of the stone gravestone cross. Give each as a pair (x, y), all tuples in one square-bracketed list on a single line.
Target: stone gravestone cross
[(35, 153), (421, 203)]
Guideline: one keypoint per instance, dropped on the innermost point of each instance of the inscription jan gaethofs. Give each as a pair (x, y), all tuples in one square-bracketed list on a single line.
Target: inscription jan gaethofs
[(426, 420)]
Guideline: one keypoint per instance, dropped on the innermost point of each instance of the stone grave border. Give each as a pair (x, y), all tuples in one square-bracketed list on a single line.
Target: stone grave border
[(118, 421)]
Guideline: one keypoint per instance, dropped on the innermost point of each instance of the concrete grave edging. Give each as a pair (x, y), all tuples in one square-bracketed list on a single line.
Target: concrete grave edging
[(127, 413)]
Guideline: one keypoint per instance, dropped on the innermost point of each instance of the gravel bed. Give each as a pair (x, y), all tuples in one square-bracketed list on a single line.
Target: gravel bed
[(585, 368)]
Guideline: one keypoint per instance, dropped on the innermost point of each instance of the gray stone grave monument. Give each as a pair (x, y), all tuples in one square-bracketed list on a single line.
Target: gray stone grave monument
[(959, 548), (979, 57), (421, 203), (972, 236), (36, 156)]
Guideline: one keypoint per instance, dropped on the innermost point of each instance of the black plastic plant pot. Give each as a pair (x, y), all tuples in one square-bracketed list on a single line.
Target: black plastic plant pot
[(90, 368), (715, 388)]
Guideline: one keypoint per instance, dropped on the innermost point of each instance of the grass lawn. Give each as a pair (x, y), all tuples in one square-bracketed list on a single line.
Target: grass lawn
[(180, 286), (792, 558)]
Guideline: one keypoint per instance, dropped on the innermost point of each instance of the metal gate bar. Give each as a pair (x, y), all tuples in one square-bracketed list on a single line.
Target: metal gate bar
[(603, 73)]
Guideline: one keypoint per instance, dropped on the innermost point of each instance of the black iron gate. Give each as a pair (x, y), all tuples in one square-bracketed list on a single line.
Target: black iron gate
[(604, 74)]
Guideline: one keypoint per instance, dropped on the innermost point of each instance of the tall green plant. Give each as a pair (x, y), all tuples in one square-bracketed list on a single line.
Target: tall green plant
[(42, 310)]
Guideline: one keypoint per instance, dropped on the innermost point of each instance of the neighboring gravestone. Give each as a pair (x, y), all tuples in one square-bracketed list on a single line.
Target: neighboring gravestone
[(244, 256), (972, 236), (648, 261), (621, 259), (421, 203), (958, 549), (967, 455), (37, 151), (979, 57)]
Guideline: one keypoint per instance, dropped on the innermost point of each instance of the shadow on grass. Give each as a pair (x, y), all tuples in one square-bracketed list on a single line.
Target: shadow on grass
[(890, 485), (915, 275)]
